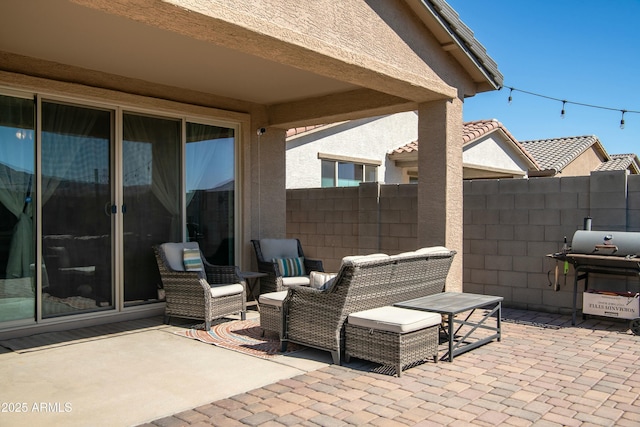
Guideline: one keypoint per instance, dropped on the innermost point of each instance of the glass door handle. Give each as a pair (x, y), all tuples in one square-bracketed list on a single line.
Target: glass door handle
[(110, 209), (124, 209)]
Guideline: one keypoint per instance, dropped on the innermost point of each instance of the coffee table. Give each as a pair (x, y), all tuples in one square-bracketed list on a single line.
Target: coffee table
[(450, 304)]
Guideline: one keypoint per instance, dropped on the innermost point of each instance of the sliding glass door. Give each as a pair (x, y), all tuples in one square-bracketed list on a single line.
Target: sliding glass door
[(76, 192), (151, 200), (94, 188)]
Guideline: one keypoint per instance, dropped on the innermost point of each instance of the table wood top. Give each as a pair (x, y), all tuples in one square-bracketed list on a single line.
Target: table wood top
[(450, 302)]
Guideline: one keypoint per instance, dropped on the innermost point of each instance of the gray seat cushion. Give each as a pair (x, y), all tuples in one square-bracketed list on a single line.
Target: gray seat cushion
[(173, 253), (278, 248)]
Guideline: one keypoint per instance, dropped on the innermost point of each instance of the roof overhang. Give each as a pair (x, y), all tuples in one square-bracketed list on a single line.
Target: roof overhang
[(471, 171), (222, 55)]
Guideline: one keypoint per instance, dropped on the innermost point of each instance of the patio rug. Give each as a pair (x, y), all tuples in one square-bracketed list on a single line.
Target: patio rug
[(244, 336)]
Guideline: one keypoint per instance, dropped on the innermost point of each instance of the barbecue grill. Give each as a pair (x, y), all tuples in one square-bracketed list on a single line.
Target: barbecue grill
[(603, 252)]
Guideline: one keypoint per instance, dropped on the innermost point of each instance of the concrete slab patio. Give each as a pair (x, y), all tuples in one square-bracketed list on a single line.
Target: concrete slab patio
[(131, 376), (544, 372)]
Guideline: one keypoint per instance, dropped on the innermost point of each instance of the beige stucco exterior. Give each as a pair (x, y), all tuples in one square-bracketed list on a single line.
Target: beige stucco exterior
[(586, 162), (268, 63), (440, 205)]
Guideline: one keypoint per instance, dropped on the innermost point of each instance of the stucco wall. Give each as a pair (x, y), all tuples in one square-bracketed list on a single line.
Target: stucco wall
[(587, 161), (401, 45), (493, 152), (510, 226)]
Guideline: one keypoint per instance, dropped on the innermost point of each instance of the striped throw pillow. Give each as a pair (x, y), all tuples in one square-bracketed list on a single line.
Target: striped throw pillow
[(191, 259), (290, 267)]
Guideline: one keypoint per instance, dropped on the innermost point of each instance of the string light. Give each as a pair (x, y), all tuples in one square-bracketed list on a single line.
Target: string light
[(564, 102)]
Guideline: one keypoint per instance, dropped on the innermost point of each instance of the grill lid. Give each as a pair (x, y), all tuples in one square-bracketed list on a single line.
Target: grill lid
[(602, 242)]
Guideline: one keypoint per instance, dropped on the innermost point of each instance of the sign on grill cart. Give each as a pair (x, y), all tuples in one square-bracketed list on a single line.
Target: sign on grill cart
[(623, 305)]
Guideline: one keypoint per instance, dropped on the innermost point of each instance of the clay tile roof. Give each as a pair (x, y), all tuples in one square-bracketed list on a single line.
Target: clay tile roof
[(472, 131), (408, 148), (620, 162), (555, 154)]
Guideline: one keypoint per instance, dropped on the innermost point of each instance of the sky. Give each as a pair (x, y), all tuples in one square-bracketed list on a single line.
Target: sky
[(582, 51)]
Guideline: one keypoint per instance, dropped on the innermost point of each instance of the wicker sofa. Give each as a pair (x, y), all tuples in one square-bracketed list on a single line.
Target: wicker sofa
[(316, 317)]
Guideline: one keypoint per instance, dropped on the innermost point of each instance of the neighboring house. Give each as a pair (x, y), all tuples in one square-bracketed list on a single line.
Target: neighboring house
[(165, 120), (628, 162), (490, 151), (327, 156), (569, 156), (347, 153)]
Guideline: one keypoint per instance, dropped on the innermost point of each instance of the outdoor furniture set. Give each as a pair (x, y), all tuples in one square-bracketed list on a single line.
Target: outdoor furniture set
[(377, 307), (351, 312)]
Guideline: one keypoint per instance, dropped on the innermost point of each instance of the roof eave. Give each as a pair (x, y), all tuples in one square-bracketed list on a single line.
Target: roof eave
[(439, 17)]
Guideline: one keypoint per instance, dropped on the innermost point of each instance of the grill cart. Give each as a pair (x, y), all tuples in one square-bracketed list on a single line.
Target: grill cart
[(609, 253)]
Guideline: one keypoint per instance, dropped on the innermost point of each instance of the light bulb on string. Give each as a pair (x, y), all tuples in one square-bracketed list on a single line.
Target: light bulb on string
[(564, 104)]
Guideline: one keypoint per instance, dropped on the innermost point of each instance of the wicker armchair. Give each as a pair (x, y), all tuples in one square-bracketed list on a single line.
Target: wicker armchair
[(212, 293), (269, 249), (316, 318)]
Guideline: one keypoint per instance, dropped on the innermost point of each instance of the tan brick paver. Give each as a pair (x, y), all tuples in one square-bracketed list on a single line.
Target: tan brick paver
[(544, 372)]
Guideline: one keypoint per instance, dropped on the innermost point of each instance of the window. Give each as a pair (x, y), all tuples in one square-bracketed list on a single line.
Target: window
[(336, 173)]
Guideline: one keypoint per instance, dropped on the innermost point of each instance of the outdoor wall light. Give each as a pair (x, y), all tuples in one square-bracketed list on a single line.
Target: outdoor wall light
[(261, 131)]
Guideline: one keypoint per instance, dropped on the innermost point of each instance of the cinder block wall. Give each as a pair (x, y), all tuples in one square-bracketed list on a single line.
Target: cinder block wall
[(327, 222), (332, 223), (509, 227)]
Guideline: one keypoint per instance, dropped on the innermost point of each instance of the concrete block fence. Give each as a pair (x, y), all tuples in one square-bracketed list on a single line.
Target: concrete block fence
[(509, 227)]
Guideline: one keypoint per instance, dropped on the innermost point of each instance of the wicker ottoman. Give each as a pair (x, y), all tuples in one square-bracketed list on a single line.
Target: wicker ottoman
[(271, 312), (392, 336)]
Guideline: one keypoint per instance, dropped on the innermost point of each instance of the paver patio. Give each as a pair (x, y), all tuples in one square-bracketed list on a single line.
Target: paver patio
[(544, 372)]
